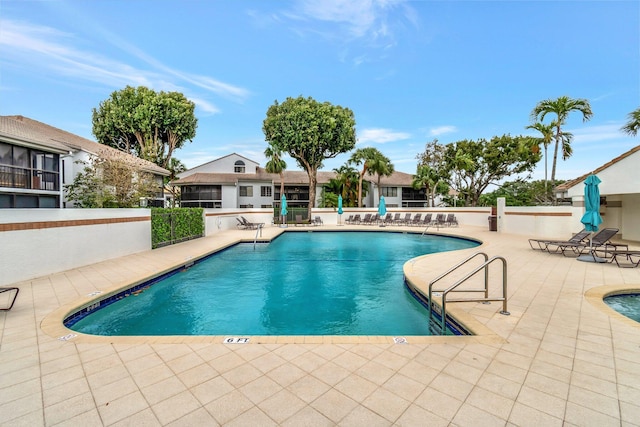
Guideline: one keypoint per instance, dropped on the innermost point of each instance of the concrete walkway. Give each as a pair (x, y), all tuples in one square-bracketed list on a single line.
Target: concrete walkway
[(562, 358)]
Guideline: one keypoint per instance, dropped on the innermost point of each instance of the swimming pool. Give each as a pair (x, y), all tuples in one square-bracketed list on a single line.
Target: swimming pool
[(625, 304), (302, 283)]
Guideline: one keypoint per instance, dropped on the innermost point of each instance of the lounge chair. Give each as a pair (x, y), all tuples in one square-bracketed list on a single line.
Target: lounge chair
[(250, 225), (451, 220), (388, 219), (349, 220), (366, 219), (427, 220), (13, 300), (543, 244), (407, 219), (243, 224), (628, 255), (356, 219), (417, 220), (441, 220), (317, 221), (598, 240)]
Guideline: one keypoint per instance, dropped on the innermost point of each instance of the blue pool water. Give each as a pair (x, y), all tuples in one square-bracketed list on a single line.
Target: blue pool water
[(302, 283), (627, 305)]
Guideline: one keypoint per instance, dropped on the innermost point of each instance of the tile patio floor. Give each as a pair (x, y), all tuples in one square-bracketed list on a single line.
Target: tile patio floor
[(557, 360)]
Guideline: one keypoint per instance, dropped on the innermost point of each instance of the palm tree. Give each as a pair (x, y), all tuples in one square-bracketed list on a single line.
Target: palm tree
[(381, 166), (561, 107), (275, 164), (368, 157), (347, 179), (427, 177), (545, 140), (633, 124)]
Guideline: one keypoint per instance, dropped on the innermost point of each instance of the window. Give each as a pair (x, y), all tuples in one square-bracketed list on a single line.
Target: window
[(390, 191), (246, 191), (239, 167), (265, 191), (21, 167), (246, 206)]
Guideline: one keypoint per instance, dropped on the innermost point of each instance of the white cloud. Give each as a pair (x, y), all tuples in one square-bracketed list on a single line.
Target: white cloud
[(441, 130), (380, 136), (599, 133), (354, 19), (47, 48)]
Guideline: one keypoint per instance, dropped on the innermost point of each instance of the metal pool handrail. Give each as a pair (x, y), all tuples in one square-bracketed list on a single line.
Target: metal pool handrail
[(452, 288)]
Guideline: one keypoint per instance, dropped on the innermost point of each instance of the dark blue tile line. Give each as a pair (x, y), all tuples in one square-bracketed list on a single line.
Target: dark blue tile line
[(74, 318), (451, 324)]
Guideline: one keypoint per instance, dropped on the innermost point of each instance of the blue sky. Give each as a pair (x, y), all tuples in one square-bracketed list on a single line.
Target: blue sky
[(411, 71)]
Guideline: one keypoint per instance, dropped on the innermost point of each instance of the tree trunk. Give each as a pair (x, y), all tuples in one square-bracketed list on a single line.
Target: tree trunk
[(360, 188), (312, 190), (553, 165)]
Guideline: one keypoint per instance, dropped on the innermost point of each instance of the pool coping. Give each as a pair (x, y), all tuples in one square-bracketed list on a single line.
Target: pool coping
[(53, 323), (596, 297)]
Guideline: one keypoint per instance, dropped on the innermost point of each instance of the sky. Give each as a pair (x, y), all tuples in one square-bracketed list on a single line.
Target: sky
[(411, 71)]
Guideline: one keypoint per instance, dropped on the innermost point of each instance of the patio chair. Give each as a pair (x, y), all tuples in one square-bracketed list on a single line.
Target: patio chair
[(349, 220), (317, 221), (628, 255), (427, 220), (451, 220), (366, 219), (375, 218), (356, 219), (388, 219), (543, 244), (441, 220), (417, 220), (598, 240), (251, 225), (397, 219), (13, 300), (407, 219)]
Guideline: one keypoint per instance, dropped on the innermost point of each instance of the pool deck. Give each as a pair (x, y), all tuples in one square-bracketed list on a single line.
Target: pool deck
[(561, 358)]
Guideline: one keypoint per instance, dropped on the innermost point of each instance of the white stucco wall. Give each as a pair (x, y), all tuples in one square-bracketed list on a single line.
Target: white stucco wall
[(621, 177), (30, 253), (222, 165)]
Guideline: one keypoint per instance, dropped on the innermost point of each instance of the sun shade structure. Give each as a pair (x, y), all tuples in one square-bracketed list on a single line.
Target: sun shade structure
[(591, 218), (283, 209)]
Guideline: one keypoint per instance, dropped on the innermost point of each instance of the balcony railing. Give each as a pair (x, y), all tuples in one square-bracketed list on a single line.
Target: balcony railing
[(31, 179)]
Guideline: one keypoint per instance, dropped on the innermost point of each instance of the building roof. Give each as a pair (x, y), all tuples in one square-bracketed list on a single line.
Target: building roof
[(34, 132), (290, 178), (569, 184)]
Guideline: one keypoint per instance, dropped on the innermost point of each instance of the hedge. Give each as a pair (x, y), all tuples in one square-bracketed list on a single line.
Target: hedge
[(174, 225)]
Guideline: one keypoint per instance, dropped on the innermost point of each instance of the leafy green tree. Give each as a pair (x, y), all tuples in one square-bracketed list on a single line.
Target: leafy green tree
[(110, 183), (432, 171), (561, 107), (346, 184), (474, 165), (275, 164), (145, 123), (373, 162), (175, 167), (632, 126), (310, 132), (428, 178), (517, 193)]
